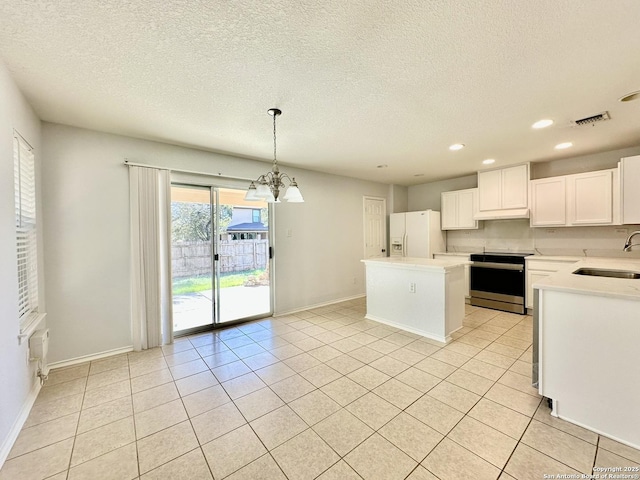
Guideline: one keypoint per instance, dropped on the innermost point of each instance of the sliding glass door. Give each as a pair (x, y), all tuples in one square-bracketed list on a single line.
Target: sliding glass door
[(220, 257)]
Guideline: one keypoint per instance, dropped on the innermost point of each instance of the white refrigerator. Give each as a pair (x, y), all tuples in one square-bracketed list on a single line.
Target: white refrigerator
[(416, 234)]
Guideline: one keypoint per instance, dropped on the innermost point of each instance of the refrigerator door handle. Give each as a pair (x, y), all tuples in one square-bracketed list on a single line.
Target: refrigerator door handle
[(405, 245)]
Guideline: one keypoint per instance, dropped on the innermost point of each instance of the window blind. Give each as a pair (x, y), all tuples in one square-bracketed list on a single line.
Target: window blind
[(26, 239)]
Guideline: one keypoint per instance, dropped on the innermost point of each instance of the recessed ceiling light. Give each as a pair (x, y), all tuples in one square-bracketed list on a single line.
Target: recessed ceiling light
[(456, 146), (542, 123), (488, 161), (562, 146), (382, 166), (419, 175), (630, 96)]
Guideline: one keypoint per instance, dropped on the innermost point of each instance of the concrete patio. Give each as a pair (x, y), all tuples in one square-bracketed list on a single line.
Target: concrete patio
[(195, 309)]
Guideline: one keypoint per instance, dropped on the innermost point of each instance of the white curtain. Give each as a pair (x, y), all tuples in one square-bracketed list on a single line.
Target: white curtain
[(151, 305)]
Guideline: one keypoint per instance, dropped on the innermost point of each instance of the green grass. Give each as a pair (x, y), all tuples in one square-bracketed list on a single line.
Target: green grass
[(182, 286)]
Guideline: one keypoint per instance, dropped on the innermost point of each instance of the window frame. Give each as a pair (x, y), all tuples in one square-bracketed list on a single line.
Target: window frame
[(26, 224)]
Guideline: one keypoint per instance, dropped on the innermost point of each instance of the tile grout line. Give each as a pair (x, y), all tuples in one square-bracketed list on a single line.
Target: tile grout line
[(347, 353)]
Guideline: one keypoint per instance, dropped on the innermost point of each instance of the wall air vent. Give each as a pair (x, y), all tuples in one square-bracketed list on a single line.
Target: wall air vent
[(600, 117)]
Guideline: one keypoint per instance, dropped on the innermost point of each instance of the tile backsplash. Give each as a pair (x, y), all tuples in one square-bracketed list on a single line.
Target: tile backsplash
[(518, 236)]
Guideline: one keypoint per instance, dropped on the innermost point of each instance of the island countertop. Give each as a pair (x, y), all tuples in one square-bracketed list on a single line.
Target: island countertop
[(566, 281), (416, 263)]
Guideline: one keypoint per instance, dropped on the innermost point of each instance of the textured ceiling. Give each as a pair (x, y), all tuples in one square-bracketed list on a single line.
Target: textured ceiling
[(360, 82)]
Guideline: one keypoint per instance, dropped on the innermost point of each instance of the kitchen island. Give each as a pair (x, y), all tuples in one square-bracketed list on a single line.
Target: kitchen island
[(419, 295), (588, 338)]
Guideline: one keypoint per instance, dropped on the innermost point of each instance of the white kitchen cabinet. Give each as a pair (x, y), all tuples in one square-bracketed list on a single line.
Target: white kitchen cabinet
[(548, 202), (581, 199), (515, 181), (467, 268), (458, 208), (490, 190), (503, 193), (539, 267), (591, 198), (630, 184), (586, 333)]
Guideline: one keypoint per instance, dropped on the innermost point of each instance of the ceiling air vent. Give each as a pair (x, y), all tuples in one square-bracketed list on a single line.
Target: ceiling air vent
[(600, 117)]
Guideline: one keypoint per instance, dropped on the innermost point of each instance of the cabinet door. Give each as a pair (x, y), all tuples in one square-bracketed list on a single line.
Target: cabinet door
[(449, 210), (591, 198), (533, 277), (630, 189), (490, 190), (548, 202), (514, 186), (467, 205)]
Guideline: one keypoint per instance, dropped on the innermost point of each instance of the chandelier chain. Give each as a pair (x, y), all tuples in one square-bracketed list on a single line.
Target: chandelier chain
[(275, 160)]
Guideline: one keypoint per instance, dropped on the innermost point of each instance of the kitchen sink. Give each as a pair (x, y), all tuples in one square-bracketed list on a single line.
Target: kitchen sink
[(602, 272)]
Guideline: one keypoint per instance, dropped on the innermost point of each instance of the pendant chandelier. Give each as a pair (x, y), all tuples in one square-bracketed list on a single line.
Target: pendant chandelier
[(271, 183)]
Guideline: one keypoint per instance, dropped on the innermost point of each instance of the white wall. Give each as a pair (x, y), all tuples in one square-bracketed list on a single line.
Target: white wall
[(398, 199), (16, 378), (583, 163), (517, 236), (87, 233)]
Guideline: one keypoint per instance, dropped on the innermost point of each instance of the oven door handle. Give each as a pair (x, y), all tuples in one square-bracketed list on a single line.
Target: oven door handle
[(498, 266)]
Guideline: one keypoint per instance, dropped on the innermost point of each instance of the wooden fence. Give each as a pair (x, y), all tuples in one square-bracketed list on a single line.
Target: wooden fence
[(190, 259)]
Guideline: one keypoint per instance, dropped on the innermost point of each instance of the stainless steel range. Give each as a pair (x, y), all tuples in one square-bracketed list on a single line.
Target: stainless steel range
[(498, 281)]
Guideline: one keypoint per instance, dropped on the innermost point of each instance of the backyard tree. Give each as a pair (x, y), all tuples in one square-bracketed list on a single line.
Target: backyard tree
[(191, 222)]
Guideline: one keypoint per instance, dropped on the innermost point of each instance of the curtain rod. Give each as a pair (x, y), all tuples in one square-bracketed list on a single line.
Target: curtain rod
[(127, 162)]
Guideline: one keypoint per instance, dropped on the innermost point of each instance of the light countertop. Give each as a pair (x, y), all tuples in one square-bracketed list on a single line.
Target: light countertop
[(557, 258), (415, 263), (564, 280)]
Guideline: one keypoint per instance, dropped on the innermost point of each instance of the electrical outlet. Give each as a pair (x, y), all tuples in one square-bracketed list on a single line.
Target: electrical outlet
[(412, 288), (355, 280), (289, 232), (622, 231), (550, 230)]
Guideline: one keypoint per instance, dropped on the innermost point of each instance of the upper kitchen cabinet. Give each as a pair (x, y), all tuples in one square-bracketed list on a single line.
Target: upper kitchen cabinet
[(581, 199), (503, 193), (458, 208), (548, 202), (630, 180), (591, 198)]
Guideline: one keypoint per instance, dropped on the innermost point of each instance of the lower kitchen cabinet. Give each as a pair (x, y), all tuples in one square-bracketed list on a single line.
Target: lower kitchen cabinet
[(467, 268), (539, 267)]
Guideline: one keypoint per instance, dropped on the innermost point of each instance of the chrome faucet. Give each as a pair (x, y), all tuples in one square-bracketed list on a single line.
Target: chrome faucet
[(628, 244)]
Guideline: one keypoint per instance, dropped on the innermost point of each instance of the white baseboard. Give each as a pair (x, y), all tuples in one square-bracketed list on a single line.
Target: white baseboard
[(90, 358), (317, 305), (8, 442), (417, 331)]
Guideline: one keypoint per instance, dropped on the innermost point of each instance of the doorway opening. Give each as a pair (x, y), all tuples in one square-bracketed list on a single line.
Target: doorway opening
[(220, 257)]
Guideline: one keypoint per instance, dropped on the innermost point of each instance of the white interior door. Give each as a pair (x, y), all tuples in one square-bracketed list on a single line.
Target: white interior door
[(375, 227)]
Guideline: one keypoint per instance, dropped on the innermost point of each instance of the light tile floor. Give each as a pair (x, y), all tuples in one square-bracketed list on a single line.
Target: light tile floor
[(319, 394)]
